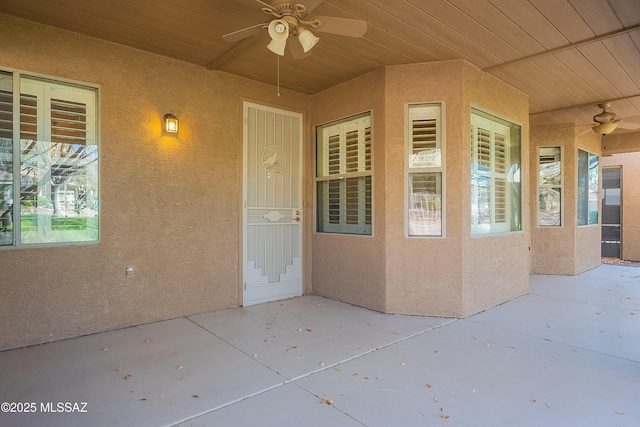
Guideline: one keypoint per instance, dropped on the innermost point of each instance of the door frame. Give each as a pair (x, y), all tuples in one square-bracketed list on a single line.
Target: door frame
[(243, 157)]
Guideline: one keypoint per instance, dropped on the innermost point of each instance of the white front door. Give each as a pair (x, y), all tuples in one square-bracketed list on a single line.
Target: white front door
[(272, 214)]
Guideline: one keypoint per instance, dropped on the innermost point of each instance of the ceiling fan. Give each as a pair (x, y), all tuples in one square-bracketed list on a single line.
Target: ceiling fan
[(606, 121), (294, 20)]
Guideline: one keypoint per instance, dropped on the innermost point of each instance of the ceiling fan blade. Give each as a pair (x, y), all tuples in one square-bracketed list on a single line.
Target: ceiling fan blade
[(311, 4), (244, 33), (628, 125), (266, 4), (341, 26), (297, 52)]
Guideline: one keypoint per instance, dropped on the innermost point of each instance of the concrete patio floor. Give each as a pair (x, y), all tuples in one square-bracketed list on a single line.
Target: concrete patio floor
[(567, 354)]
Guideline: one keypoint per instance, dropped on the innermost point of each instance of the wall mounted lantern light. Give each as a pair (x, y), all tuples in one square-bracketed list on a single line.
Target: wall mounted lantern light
[(170, 123)]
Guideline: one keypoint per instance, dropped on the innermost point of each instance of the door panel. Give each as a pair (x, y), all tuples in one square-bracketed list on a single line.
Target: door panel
[(611, 212), (272, 214)]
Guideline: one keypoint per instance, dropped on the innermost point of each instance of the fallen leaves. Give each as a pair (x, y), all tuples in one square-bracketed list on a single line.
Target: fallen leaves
[(327, 401)]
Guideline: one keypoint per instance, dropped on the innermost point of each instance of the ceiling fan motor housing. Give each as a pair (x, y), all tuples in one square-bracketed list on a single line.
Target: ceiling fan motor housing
[(605, 116)]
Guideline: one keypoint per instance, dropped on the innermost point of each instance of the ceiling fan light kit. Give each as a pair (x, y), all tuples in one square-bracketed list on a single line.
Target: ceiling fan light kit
[(296, 20)]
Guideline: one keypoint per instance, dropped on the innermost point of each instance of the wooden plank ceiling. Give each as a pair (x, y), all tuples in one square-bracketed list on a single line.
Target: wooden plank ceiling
[(567, 55)]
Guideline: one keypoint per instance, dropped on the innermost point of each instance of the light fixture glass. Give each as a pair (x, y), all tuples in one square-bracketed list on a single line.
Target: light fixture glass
[(170, 123), (605, 128), (278, 31), (307, 39)]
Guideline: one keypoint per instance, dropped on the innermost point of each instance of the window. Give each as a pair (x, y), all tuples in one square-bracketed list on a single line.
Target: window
[(343, 176), (49, 134), (588, 184), (495, 175), (425, 169), (550, 186)]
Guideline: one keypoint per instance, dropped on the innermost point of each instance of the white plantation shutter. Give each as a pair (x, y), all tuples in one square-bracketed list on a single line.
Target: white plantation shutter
[(68, 122), (6, 114), (490, 175), (424, 133), (500, 173), (344, 177)]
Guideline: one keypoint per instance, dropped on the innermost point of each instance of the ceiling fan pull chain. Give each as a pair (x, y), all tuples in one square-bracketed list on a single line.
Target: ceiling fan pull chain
[(278, 56)]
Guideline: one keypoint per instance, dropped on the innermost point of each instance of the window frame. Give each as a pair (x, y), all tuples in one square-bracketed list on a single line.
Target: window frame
[(589, 155), (430, 111), (362, 123), (513, 131), (550, 186), (17, 77)]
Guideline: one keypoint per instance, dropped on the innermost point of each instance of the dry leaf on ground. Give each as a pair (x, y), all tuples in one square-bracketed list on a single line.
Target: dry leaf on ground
[(327, 401)]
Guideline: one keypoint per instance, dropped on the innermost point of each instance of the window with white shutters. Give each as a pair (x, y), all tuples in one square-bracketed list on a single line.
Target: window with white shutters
[(343, 178), (588, 188), (56, 197), (425, 170), (550, 186), (495, 175)]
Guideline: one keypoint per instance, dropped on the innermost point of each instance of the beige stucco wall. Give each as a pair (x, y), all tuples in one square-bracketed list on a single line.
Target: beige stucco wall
[(452, 276), (567, 249), (170, 206), (347, 267), (588, 238), (496, 267), (424, 275), (630, 163), (552, 248)]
